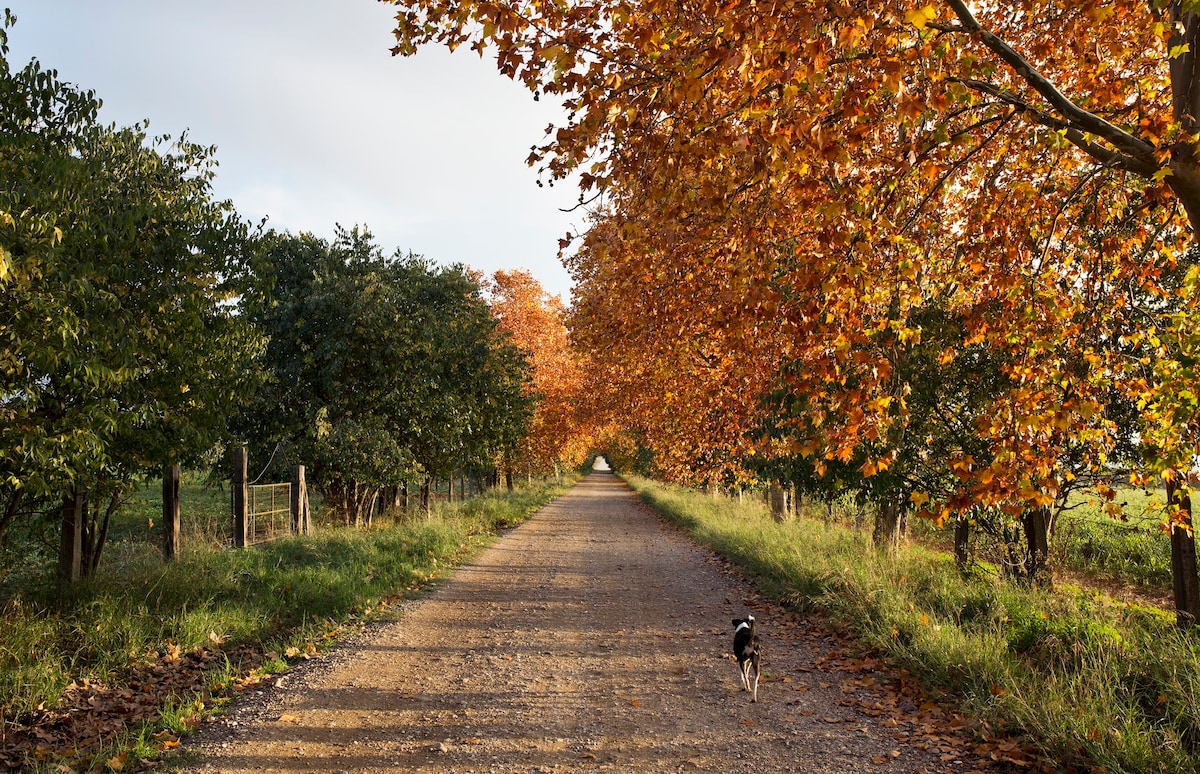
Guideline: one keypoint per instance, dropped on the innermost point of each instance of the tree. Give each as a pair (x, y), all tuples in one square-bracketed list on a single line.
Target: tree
[(535, 322), (382, 370), (122, 349), (847, 163)]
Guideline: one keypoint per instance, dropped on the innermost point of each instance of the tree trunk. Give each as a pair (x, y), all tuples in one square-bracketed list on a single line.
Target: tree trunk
[(778, 501), (1036, 522), (1183, 554), (365, 505), (99, 535), (11, 508), (170, 508), (887, 527), (508, 479), (425, 498), (88, 539), (70, 553), (352, 505), (962, 537)]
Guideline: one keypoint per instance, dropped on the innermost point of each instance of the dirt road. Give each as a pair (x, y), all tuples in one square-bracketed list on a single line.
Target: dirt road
[(592, 638)]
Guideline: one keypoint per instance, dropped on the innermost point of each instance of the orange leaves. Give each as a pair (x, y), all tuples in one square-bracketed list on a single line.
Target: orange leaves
[(536, 323), (790, 192)]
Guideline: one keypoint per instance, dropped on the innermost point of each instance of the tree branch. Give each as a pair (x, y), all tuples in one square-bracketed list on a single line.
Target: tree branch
[(1110, 158), (1073, 115)]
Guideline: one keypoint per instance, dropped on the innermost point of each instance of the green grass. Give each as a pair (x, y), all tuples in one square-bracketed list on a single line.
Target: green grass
[(1134, 550), (1086, 680), (282, 597)]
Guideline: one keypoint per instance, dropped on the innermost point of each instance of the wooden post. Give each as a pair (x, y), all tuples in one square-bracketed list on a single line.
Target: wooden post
[(240, 491), (170, 506), (70, 555), (301, 517)]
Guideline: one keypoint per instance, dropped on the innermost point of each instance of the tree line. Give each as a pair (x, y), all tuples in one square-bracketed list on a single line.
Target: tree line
[(144, 323), (938, 258)]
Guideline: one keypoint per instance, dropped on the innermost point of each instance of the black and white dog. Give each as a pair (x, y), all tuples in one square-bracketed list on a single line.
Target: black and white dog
[(745, 648)]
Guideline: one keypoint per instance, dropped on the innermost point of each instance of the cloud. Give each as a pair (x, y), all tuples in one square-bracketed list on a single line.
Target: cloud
[(317, 124)]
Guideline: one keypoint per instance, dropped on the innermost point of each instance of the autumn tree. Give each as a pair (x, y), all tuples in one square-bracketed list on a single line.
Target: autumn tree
[(828, 170), (535, 322)]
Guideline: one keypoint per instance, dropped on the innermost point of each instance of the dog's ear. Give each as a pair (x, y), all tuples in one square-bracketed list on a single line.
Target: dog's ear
[(737, 621)]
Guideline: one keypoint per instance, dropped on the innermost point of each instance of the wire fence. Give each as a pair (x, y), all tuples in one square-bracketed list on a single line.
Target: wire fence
[(268, 508)]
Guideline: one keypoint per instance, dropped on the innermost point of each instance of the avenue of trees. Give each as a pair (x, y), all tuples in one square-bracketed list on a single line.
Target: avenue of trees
[(143, 323), (939, 256)]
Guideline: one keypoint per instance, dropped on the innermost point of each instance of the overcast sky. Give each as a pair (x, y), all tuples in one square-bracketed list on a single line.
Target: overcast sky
[(316, 123)]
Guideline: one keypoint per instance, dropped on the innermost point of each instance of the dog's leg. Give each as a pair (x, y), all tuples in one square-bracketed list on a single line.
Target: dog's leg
[(754, 692)]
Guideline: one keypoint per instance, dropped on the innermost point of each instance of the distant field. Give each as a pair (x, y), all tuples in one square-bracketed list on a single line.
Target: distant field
[(1135, 550)]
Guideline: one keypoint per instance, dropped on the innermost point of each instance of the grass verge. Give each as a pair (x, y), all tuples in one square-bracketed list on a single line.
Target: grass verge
[(1087, 681), (140, 653)]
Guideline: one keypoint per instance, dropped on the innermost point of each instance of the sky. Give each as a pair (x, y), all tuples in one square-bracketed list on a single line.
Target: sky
[(316, 124)]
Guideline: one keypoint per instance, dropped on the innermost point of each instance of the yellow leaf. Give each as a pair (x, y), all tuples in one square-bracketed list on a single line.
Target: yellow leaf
[(920, 17)]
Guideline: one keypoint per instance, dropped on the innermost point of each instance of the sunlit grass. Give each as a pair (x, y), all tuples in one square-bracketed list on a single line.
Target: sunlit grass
[(1087, 680), (290, 593)]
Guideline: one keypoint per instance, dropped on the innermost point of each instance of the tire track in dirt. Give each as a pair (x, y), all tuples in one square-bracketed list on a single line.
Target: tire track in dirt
[(591, 638)]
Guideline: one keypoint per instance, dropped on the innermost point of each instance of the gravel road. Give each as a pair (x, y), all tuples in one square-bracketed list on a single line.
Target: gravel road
[(591, 638)]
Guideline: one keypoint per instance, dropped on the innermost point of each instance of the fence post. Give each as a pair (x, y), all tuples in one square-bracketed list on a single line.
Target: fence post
[(241, 519), (301, 520), (170, 504)]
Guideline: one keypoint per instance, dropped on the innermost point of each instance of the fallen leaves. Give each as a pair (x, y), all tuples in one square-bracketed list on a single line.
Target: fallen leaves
[(93, 715)]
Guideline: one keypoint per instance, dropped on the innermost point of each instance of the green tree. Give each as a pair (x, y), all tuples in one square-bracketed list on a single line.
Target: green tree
[(382, 371), (120, 348)]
